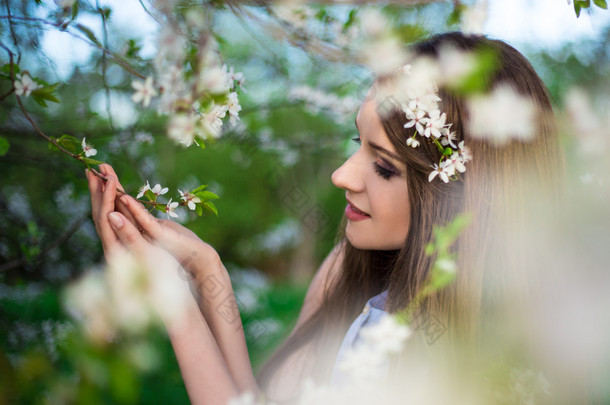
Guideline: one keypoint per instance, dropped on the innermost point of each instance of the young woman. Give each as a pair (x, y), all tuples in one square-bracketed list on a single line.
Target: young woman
[(396, 193)]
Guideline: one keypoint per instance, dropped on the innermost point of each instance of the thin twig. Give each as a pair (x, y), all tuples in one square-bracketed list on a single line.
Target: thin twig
[(12, 29), (58, 241)]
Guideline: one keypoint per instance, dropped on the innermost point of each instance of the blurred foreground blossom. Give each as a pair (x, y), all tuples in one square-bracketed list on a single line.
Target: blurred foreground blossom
[(501, 116), (475, 17), (145, 91), (590, 129), (127, 296)]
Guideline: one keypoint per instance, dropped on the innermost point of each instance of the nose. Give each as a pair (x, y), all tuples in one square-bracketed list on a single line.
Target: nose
[(349, 175)]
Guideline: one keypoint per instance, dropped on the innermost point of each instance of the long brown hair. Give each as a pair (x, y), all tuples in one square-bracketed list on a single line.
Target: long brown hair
[(494, 189)]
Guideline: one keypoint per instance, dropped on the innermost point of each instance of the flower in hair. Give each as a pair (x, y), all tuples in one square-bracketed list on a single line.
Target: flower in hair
[(421, 110)]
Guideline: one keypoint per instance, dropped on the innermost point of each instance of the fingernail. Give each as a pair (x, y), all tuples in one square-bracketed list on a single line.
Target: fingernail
[(115, 220), (124, 199)]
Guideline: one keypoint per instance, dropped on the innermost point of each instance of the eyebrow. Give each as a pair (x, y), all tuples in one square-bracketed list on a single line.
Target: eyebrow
[(382, 150), (379, 148)]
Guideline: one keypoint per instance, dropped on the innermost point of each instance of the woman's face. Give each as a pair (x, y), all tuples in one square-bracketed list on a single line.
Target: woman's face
[(375, 186)]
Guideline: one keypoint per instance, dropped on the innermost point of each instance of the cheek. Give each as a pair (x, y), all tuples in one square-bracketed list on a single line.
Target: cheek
[(392, 211)]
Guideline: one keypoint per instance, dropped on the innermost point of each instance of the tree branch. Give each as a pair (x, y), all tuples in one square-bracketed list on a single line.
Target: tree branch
[(58, 241)]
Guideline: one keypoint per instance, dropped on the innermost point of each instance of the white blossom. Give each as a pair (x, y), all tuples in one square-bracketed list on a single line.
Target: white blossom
[(213, 80), (502, 115), (388, 336), (414, 143), (417, 119), (24, 85), (144, 91), (159, 190), (363, 362), (171, 207), (448, 138), (455, 64), (440, 171), (385, 56), (446, 265), (465, 151), (182, 128), (87, 301), (88, 149), (435, 124), (190, 199), (142, 190), (474, 18), (373, 23), (212, 121), (233, 107)]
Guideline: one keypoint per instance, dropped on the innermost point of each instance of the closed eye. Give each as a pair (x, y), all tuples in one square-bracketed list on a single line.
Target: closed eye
[(383, 172)]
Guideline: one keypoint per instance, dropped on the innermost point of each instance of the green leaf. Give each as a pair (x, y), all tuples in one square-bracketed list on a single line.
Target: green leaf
[(200, 188), (69, 143), (199, 209), (75, 10), (206, 195), (89, 161), (4, 145), (40, 101), (577, 9), (456, 15), (601, 4), (89, 34), (209, 206), (150, 195), (7, 69)]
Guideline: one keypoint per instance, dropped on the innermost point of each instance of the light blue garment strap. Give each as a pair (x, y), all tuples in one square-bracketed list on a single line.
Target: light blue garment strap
[(372, 313)]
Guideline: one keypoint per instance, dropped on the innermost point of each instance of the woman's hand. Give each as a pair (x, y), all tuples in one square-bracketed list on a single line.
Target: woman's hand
[(184, 245)]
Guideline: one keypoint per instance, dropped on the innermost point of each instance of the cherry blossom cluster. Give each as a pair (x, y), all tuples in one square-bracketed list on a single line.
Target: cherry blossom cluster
[(195, 88), (196, 200), (422, 112)]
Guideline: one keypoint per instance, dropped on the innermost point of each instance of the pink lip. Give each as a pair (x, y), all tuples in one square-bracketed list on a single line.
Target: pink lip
[(354, 214)]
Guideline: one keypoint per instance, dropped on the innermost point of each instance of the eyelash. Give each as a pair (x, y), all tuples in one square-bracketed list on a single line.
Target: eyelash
[(382, 171)]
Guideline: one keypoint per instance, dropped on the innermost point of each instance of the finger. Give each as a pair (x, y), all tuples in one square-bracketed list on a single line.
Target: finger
[(107, 234), (96, 191), (127, 233), (122, 208), (106, 169), (148, 223)]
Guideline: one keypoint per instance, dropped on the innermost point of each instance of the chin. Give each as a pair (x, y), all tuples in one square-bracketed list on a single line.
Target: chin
[(368, 242)]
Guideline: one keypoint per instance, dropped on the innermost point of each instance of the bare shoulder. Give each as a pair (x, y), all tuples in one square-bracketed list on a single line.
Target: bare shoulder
[(323, 279)]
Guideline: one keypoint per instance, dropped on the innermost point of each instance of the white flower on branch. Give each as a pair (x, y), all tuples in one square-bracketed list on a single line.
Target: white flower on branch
[(211, 122), (234, 107), (144, 91), (159, 190), (190, 199), (171, 207), (501, 116), (143, 190), (88, 149), (24, 85)]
